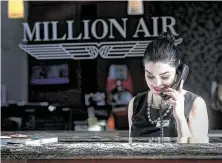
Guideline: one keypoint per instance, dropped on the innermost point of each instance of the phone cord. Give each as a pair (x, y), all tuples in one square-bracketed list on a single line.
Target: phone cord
[(161, 122)]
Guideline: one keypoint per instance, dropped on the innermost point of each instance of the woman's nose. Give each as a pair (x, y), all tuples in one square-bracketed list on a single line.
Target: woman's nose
[(157, 82)]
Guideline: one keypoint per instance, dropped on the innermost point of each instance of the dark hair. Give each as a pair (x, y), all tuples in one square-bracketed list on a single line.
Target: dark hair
[(162, 49)]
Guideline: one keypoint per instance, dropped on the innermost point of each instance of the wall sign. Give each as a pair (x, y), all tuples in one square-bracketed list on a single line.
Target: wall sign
[(113, 38)]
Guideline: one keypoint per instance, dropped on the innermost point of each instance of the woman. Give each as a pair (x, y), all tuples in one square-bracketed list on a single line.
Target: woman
[(183, 115)]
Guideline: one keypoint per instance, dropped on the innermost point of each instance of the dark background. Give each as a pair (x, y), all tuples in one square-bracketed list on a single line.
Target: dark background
[(198, 23)]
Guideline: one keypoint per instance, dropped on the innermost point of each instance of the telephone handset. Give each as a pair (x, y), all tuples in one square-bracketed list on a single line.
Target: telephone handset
[(182, 73)]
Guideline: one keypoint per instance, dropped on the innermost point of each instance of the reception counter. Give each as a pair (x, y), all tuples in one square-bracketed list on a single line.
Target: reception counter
[(109, 147)]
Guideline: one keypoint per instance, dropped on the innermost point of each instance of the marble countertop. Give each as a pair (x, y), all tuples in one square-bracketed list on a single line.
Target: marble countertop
[(112, 145)]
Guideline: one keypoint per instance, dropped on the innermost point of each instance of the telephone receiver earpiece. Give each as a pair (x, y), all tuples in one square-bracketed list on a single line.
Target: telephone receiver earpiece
[(182, 73)]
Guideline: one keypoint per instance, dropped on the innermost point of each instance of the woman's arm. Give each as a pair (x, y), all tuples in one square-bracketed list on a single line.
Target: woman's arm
[(130, 113), (198, 121), (183, 129), (197, 127)]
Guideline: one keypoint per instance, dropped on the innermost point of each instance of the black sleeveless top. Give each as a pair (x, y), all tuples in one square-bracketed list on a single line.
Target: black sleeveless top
[(142, 127)]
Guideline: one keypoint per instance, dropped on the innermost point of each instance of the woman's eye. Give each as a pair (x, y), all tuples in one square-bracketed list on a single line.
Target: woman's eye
[(165, 77), (151, 77)]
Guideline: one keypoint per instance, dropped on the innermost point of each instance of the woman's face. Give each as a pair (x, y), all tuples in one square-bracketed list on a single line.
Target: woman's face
[(159, 76)]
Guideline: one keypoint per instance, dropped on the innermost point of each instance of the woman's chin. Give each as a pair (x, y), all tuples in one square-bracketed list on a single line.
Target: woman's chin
[(156, 93)]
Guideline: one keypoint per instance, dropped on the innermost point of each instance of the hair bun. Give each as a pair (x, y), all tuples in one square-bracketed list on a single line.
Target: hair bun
[(167, 35)]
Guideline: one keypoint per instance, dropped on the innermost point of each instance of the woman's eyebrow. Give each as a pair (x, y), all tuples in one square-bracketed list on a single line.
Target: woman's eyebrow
[(148, 71), (159, 74), (165, 72)]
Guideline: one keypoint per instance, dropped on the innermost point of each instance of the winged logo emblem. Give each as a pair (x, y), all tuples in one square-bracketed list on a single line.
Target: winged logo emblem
[(88, 50)]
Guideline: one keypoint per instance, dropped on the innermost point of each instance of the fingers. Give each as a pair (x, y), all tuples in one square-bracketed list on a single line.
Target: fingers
[(181, 86), (180, 90), (171, 90), (172, 94)]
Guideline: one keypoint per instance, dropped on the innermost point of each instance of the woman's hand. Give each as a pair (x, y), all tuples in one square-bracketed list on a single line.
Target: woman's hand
[(177, 99)]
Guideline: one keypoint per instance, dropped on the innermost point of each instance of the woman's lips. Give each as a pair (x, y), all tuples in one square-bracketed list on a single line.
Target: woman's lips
[(157, 89)]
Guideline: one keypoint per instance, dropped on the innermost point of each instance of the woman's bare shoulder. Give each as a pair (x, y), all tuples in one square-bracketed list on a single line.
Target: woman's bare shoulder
[(199, 102), (199, 106), (131, 102)]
